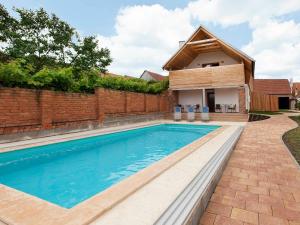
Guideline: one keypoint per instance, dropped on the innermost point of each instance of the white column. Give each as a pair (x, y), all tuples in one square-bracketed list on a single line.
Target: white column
[(203, 98)]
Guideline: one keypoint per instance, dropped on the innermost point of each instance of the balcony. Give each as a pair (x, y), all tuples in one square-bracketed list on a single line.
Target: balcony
[(209, 77)]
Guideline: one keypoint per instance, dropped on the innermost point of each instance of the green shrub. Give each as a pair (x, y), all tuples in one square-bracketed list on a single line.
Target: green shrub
[(14, 74), (59, 79), (19, 74), (132, 84), (298, 105)]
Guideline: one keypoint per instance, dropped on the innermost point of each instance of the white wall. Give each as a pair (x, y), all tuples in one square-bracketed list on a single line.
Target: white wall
[(146, 76), (211, 57), (190, 97), (227, 96)]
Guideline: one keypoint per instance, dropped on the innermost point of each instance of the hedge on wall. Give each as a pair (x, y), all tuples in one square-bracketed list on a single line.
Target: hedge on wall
[(19, 74)]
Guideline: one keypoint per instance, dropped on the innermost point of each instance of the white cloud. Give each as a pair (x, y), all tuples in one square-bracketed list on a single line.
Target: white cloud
[(147, 35), (233, 12), (276, 48)]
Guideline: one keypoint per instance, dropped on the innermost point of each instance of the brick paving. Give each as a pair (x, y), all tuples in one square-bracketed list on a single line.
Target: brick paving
[(261, 182)]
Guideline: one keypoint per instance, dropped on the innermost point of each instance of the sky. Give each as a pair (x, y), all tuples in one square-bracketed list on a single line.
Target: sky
[(143, 35)]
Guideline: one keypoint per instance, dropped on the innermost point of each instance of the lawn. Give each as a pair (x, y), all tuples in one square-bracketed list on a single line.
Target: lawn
[(292, 139)]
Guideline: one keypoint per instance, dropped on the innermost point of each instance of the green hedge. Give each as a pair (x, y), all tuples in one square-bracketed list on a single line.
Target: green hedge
[(19, 74)]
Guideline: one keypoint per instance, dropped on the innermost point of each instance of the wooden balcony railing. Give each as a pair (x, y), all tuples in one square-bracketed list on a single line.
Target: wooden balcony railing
[(220, 76)]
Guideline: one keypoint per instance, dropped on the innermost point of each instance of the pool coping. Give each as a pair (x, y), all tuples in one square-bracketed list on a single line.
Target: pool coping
[(20, 208)]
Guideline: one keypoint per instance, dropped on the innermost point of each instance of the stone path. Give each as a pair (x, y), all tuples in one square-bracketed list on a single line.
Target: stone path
[(261, 182)]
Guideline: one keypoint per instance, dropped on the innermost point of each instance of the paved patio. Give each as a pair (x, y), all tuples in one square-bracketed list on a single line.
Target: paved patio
[(261, 183)]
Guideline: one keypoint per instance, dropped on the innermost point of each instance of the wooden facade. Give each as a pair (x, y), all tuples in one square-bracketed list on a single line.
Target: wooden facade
[(264, 102), (210, 77)]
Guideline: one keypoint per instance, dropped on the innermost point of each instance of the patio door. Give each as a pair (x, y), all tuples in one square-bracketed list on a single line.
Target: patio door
[(210, 96)]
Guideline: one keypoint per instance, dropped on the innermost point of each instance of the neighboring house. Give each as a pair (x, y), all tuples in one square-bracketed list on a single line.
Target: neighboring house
[(276, 87), (206, 71), (295, 94), (150, 76), (296, 90)]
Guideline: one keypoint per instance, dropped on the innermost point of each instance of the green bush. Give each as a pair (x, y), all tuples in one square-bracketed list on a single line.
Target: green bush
[(14, 74), (298, 105), (53, 79), (133, 84), (19, 74)]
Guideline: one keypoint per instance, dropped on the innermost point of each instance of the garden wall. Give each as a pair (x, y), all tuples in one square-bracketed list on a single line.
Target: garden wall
[(264, 102), (23, 110)]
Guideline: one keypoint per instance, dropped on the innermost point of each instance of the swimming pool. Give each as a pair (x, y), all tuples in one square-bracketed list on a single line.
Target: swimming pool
[(68, 173)]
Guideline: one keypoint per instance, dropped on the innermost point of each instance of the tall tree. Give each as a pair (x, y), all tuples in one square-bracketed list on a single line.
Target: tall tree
[(45, 40)]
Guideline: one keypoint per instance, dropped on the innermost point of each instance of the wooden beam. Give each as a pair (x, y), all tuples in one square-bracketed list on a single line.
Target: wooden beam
[(205, 45), (210, 49), (201, 41)]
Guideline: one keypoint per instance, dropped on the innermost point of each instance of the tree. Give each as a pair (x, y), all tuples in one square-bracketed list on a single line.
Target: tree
[(88, 54), (45, 40)]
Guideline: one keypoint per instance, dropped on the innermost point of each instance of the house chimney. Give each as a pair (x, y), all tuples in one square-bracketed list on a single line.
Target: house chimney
[(181, 43)]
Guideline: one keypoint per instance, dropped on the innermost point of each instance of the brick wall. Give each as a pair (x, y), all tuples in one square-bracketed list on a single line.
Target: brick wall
[(19, 107), (31, 110), (119, 102), (152, 103), (242, 100), (135, 102), (73, 107)]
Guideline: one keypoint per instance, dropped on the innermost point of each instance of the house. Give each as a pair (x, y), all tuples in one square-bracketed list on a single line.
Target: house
[(207, 71), (296, 90), (275, 87), (295, 94), (150, 76)]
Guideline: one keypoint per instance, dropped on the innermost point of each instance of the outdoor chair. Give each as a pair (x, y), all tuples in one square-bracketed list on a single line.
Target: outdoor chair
[(177, 113), (218, 108), (232, 108)]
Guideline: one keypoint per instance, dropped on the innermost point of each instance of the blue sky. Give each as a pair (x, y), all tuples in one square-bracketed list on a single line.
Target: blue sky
[(98, 17), (144, 34)]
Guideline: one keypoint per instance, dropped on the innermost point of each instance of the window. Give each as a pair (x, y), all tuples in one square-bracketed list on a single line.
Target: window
[(210, 64)]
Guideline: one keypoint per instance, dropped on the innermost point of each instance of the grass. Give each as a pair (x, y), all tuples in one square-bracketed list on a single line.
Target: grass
[(266, 112), (292, 139)]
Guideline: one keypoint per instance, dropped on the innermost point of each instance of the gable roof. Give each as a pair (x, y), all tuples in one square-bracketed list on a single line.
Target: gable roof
[(202, 41), (272, 86), (155, 76)]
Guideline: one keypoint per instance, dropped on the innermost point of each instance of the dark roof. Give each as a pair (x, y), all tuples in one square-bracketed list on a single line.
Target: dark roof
[(272, 86), (155, 76)]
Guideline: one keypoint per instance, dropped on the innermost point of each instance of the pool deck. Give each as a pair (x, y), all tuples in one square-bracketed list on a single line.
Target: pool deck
[(261, 182)]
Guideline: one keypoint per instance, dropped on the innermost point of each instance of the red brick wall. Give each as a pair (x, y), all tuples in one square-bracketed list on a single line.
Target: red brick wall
[(135, 102), (152, 103), (242, 100), (73, 107), (19, 107), (112, 101), (28, 110)]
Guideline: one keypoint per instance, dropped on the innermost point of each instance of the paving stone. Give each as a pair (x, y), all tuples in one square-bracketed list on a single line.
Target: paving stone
[(244, 215), (261, 182)]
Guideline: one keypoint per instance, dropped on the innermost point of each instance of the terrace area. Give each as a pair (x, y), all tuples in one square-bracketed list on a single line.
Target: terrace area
[(261, 183)]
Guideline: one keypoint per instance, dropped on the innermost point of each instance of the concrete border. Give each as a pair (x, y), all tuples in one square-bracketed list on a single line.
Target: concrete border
[(191, 203)]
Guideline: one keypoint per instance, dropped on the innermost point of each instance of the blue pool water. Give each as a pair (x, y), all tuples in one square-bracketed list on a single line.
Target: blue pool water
[(70, 172)]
